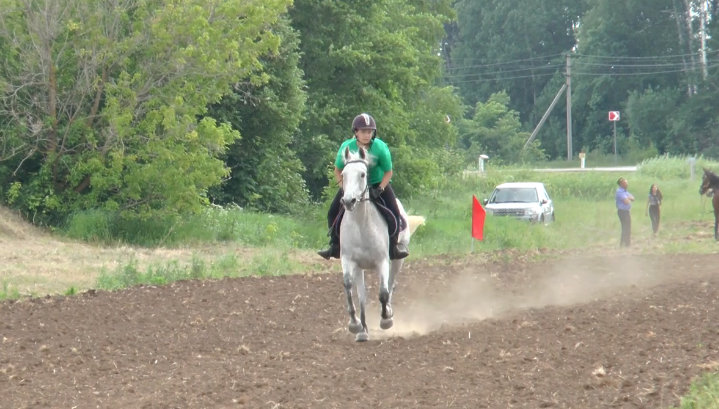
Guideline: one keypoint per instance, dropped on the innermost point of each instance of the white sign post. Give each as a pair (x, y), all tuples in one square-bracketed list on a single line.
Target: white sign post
[(614, 117), (482, 158), (692, 165)]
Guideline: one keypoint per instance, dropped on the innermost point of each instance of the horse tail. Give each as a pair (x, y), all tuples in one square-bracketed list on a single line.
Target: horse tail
[(415, 222)]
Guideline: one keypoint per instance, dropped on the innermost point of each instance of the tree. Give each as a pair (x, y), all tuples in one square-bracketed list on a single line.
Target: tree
[(266, 173), (379, 57), (512, 45), (495, 130), (101, 98), (629, 38)]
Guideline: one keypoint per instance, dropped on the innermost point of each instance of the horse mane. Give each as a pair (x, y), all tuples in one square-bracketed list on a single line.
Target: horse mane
[(354, 156), (713, 178)]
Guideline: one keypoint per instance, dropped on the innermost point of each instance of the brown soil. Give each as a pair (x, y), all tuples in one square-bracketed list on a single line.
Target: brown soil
[(619, 332)]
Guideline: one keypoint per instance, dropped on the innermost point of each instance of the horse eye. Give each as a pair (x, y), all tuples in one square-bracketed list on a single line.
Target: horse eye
[(363, 175)]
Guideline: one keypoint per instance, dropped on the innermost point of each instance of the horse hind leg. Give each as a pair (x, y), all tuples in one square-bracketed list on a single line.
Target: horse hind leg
[(716, 228), (363, 333), (354, 325)]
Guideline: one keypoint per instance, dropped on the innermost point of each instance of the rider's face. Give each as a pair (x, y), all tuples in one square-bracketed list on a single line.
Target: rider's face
[(363, 136)]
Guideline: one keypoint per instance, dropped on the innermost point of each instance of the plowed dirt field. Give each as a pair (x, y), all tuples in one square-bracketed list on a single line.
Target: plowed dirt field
[(619, 332)]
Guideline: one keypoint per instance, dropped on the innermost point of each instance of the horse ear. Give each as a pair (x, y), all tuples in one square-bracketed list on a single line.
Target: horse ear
[(362, 153), (347, 153)]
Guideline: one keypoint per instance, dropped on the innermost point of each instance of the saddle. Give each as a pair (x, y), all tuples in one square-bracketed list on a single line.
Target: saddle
[(394, 226)]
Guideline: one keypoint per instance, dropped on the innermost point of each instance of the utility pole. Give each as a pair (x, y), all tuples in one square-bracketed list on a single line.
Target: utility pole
[(546, 115), (569, 107)]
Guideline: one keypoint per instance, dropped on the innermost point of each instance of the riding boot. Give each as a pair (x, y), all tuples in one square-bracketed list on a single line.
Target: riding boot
[(397, 250), (334, 249)]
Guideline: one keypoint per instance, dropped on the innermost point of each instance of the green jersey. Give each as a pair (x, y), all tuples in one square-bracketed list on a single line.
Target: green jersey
[(379, 164)]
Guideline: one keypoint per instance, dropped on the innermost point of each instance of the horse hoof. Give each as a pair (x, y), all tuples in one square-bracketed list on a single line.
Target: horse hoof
[(386, 323), (355, 328), (362, 337)]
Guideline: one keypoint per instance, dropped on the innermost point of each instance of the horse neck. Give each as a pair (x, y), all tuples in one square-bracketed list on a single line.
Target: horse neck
[(364, 214)]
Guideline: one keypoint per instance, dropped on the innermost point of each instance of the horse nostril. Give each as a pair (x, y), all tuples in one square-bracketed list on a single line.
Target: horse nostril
[(354, 200)]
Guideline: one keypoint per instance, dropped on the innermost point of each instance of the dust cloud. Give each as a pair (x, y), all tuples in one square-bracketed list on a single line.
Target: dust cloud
[(473, 295)]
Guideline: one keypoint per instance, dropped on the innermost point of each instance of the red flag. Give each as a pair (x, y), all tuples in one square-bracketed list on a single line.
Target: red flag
[(478, 214)]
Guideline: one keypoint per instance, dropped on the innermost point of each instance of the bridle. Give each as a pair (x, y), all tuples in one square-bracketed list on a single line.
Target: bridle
[(364, 197)]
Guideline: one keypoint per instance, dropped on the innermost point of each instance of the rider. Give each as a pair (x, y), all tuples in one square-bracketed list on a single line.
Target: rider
[(380, 174)]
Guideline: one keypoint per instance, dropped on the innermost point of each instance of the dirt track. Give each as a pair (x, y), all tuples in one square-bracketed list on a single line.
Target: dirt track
[(624, 332)]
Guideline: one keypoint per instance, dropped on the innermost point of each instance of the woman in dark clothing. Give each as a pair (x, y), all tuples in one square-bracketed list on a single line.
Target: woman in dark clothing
[(654, 201)]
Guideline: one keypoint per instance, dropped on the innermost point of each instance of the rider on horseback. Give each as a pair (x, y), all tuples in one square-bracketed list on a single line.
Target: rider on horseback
[(380, 174)]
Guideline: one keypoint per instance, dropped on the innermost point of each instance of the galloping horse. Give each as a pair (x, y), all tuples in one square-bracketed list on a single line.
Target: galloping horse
[(711, 181), (364, 242)]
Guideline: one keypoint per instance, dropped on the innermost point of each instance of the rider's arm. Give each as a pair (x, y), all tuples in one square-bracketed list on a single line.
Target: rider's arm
[(339, 165), (338, 176), (385, 163), (385, 179)]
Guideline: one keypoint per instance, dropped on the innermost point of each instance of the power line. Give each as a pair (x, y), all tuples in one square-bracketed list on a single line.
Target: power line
[(635, 58), (537, 68), (555, 68), (610, 74), (585, 74), (504, 79), (631, 65), (494, 63), (578, 58)]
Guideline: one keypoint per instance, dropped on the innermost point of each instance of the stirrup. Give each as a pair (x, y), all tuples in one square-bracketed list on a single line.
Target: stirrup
[(332, 251), (399, 252)]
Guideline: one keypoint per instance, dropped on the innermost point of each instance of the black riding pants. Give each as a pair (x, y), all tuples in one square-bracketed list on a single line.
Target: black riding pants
[(655, 216), (390, 200), (335, 208)]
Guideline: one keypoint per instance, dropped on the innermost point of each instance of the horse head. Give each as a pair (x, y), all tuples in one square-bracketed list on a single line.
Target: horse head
[(354, 178), (709, 181)]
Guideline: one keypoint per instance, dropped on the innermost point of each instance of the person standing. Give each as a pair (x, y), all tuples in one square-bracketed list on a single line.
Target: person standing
[(624, 201), (653, 202)]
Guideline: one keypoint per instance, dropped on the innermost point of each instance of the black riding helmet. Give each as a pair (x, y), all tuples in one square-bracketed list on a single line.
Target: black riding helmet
[(365, 121)]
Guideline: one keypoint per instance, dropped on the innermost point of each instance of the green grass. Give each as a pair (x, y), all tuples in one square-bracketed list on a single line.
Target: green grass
[(584, 206), (703, 393), (7, 292), (267, 263)]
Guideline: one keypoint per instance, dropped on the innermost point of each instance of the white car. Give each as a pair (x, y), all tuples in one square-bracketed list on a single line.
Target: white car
[(521, 200)]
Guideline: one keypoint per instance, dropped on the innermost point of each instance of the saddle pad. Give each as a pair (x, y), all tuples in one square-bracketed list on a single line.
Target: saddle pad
[(384, 211)]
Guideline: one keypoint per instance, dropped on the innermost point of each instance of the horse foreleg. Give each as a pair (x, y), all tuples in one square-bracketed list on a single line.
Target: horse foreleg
[(385, 291), (363, 334), (354, 325)]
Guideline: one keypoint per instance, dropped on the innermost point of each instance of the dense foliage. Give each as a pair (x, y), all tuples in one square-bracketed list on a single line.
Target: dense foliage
[(156, 108)]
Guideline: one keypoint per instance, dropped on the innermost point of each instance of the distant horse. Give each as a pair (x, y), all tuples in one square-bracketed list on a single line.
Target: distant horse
[(364, 242), (710, 181)]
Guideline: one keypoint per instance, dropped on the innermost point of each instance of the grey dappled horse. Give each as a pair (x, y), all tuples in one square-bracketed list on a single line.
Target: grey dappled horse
[(364, 243)]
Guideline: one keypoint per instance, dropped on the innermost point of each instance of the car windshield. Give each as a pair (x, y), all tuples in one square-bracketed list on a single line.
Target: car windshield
[(515, 195)]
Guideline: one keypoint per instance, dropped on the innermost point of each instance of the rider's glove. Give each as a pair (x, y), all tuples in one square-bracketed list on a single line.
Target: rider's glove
[(376, 192)]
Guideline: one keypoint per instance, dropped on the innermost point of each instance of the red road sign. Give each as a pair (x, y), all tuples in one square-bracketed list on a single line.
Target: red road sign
[(613, 115)]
